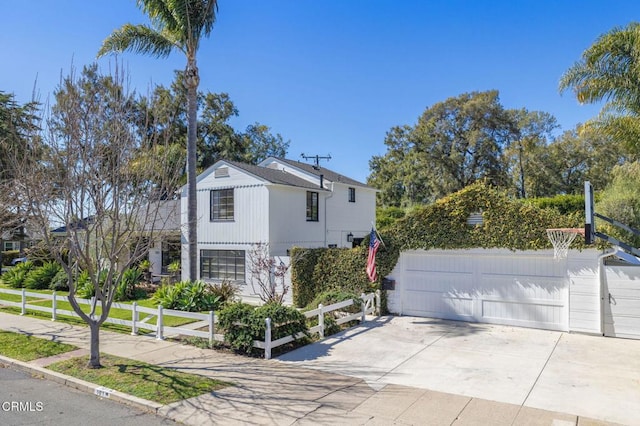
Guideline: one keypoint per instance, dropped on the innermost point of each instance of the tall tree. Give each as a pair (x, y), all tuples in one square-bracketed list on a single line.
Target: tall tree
[(175, 25), (217, 138), (524, 154), (89, 179), (454, 143), (18, 132), (609, 70)]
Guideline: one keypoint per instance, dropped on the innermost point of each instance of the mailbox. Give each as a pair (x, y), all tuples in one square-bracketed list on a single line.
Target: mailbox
[(388, 284)]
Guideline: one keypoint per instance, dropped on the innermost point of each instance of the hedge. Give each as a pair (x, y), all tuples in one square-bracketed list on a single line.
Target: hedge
[(318, 270), (506, 223)]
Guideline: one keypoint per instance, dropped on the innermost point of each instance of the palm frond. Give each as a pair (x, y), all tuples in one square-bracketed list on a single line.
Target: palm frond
[(139, 39), (193, 19), (608, 70), (160, 13)]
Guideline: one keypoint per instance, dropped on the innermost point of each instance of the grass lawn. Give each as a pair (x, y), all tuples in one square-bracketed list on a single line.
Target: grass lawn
[(151, 382), (27, 348)]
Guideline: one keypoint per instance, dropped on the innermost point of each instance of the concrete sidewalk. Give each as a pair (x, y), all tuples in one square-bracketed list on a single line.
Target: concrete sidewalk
[(276, 393)]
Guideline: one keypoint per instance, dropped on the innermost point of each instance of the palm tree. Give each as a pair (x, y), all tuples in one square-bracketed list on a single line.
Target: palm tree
[(175, 25)]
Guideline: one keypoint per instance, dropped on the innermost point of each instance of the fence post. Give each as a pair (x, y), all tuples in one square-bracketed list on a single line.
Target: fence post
[(364, 308), (159, 324), (211, 321), (54, 305), (24, 302), (321, 320), (267, 339), (378, 303), (134, 318), (93, 303)]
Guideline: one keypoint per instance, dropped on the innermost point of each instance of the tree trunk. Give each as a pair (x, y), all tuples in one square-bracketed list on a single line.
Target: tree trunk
[(94, 360), (191, 82)]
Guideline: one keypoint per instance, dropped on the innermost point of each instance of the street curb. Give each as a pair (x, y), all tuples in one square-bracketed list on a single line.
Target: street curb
[(84, 386)]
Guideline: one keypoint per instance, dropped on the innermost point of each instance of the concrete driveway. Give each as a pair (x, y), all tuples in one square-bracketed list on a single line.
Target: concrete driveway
[(578, 374)]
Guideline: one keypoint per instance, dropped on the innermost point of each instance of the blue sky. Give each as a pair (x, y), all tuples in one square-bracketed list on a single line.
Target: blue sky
[(332, 76)]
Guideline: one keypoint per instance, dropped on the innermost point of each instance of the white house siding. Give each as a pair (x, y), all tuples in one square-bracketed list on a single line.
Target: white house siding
[(346, 217), (288, 225), (528, 289), (251, 218)]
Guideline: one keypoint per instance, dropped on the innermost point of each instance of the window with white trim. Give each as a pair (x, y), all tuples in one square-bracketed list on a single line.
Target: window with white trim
[(11, 245)]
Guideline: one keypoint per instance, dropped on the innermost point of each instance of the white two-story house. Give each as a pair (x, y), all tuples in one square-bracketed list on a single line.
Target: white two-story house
[(282, 203)]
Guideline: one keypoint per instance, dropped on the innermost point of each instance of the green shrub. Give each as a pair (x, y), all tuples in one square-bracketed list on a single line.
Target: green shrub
[(60, 281), (84, 286), (315, 271), (190, 296), (15, 277), (168, 295), (126, 288), (236, 319), (227, 291), (40, 277), (387, 216), (243, 323), (565, 204)]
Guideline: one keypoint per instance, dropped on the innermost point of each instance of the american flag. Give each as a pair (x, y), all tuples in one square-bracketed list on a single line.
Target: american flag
[(374, 243)]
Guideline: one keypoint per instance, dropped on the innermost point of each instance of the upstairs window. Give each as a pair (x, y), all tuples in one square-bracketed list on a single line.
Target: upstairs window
[(221, 204), (352, 195), (312, 206)]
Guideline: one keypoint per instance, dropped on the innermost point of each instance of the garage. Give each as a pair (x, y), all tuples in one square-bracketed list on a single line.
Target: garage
[(621, 302), (498, 286)]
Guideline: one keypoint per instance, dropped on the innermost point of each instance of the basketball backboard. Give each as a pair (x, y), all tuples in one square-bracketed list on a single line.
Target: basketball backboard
[(589, 216)]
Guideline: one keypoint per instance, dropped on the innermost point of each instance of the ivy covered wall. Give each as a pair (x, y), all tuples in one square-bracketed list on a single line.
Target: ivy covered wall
[(506, 223)]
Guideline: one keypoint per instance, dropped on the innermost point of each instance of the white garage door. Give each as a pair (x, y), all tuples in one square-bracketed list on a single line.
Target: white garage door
[(528, 289), (621, 302)]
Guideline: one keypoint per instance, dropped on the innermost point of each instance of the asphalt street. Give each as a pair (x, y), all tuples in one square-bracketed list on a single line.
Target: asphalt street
[(27, 400)]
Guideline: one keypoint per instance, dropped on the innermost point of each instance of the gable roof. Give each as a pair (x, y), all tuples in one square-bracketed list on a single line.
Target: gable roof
[(319, 170), (77, 225), (278, 177)]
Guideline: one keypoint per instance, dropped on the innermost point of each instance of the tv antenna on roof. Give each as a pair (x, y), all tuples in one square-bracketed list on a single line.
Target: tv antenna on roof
[(316, 159)]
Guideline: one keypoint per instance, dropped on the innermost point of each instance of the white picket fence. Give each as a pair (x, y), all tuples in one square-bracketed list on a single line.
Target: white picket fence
[(370, 305)]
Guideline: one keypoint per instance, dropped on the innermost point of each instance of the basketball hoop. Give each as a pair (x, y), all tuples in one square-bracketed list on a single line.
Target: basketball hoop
[(561, 238)]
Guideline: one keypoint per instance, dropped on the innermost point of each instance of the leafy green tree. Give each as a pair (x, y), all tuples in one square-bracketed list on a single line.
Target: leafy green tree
[(217, 138), (572, 158), (18, 131), (609, 70), (400, 180), (455, 143), (524, 154), (175, 25), (621, 201)]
